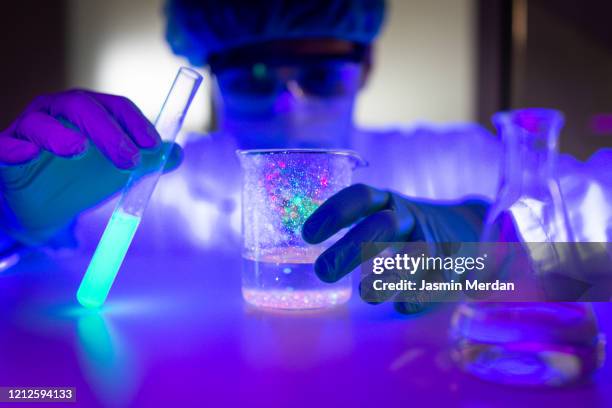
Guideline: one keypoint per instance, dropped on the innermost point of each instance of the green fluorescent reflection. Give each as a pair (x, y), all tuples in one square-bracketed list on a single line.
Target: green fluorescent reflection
[(107, 259)]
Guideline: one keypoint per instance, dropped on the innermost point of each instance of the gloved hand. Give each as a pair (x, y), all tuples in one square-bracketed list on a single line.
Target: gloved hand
[(383, 216), (67, 152)]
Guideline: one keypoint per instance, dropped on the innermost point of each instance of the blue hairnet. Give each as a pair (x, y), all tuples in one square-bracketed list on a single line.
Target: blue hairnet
[(198, 28)]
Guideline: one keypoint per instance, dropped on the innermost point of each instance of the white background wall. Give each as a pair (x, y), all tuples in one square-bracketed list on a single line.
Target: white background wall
[(425, 64), (424, 60)]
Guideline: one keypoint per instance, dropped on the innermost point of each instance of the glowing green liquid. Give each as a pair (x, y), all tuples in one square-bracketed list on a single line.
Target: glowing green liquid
[(107, 259)]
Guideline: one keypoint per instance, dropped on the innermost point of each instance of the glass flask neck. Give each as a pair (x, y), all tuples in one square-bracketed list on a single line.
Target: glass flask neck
[(529, 190), (530, 137)]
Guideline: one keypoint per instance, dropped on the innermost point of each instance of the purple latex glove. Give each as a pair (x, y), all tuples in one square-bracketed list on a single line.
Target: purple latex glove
[(66, 153), (112, 123)]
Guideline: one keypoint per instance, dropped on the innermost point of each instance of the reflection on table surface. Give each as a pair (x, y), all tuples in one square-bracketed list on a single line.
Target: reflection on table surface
[(175, 329)]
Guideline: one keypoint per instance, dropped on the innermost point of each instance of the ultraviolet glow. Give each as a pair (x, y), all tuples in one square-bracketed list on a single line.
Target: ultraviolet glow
[(107, 259), (122, 226)]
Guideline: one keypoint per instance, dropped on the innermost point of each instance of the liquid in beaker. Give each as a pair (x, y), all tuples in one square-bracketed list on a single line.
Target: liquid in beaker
[(281, 189)]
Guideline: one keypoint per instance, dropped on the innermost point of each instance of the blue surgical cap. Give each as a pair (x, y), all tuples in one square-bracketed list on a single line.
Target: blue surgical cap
[(199, 28)]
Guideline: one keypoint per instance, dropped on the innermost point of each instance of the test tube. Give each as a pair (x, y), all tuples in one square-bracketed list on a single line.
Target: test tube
[(122, 226)]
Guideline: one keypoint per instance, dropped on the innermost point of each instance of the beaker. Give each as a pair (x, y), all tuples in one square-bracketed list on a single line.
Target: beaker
[(280, 190), (529, 343)]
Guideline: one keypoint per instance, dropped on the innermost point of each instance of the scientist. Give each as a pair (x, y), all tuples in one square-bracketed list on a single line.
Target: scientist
[(285, 74)]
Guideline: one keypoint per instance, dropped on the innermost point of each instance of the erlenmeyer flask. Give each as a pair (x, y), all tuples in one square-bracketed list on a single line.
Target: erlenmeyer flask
[(529, 196), (528, 343)]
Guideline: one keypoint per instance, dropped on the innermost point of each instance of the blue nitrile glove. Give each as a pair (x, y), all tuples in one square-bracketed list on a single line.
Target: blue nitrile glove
[(66, 153), (383, 216)]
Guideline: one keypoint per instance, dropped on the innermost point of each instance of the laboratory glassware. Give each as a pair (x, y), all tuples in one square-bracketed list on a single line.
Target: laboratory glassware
[(528, 343), (122, 226), (281, 189)]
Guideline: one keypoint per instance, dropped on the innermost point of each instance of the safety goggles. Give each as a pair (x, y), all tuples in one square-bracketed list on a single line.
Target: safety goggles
[(265, 80)]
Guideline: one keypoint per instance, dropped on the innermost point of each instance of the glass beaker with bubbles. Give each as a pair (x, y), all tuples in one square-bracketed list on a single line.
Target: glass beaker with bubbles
[(529, 343), (281, 189)]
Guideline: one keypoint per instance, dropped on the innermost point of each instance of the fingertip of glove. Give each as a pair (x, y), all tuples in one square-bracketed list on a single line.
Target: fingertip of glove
[(312, 228), (76, 149), (153, 140), (324, 270), (309, 233), (175, 158), (129, 161), (409, 308)]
